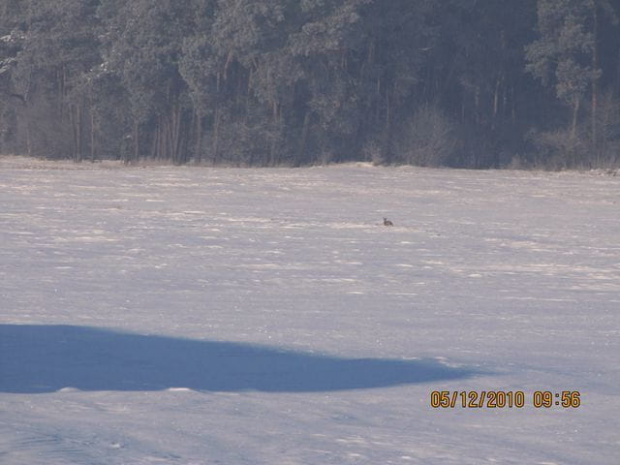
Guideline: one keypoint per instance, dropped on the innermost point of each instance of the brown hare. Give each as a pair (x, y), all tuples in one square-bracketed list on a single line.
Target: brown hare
[(387, 222)]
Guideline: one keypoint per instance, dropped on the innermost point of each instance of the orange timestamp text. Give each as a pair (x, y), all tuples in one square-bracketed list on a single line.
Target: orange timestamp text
[(505, 399)]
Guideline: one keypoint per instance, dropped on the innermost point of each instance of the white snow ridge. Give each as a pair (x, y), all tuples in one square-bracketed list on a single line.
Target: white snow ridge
[(184, 315)]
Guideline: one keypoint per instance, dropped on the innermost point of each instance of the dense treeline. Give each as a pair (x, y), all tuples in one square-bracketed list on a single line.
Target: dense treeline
[(469, 83)]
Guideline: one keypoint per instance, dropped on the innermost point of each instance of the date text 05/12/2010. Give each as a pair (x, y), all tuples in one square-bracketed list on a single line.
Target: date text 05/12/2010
[(505, 399)]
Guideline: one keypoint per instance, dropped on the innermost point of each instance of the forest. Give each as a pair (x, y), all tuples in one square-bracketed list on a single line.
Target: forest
[(458, 83)]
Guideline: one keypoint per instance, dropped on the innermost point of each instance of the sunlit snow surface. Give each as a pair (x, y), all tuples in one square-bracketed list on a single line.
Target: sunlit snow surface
[(176, 316)]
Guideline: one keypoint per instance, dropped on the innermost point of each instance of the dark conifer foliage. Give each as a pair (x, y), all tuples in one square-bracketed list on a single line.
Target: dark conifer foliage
[(467, 83)]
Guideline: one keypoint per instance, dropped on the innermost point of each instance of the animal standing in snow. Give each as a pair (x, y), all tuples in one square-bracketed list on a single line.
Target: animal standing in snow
[(387, 222)]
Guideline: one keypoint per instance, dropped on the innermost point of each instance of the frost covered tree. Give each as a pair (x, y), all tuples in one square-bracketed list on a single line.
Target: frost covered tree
[(566, 56)]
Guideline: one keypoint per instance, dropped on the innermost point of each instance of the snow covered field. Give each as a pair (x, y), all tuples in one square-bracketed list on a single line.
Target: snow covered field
[(171, 315)]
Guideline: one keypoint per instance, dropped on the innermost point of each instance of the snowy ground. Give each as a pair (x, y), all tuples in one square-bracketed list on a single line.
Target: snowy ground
[(176, 316)]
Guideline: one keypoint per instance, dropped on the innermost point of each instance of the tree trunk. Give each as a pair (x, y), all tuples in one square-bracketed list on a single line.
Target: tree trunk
[(198, 145), (156, 141), (594, 102), (74, 114), (573, 132), (216, 131), (78, 133), (496, 100), (304, 139), (175, 139), (92, 127), (136, 141)]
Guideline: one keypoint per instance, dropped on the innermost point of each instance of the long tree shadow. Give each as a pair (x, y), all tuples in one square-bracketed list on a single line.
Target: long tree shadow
[(39, 359)]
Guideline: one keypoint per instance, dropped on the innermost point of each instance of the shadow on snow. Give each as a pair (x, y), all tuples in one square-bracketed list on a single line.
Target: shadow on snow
[(39, 359)]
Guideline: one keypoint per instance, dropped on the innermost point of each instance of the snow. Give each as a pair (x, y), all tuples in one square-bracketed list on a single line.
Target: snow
[(183, 315)]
